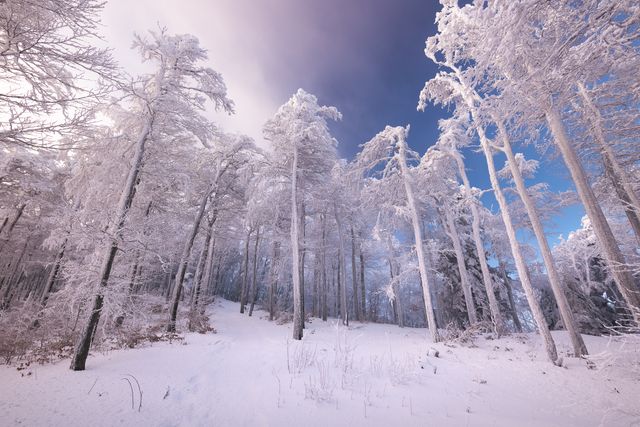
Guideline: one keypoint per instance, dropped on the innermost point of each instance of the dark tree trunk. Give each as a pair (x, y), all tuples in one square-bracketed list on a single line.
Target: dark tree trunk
[(245, 274), (254, 280), (186, 253)]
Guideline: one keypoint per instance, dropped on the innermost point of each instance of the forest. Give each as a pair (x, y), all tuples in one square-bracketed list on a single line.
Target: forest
[(127, 213)]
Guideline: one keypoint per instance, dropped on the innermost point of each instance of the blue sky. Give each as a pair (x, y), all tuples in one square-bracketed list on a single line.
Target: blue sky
[(363, 56)]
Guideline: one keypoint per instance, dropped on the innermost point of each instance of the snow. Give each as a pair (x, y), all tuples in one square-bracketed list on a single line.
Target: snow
[(251, 373)]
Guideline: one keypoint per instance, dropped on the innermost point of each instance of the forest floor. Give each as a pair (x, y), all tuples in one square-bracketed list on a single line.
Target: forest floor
[(251, 373)]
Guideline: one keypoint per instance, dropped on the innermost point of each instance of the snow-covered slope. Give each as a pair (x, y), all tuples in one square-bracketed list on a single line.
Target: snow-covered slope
[(251, 373)]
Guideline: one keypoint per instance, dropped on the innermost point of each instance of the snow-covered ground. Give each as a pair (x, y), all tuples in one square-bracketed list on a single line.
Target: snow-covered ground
[(251, 373)]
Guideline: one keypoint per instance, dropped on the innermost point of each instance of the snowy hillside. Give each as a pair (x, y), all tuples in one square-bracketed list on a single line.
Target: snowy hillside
[(251, 373)]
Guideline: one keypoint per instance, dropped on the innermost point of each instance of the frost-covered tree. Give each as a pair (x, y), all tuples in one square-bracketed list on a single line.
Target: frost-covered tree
[(168, 103), (390, 151), (533, 85), (53, 74), (452, 139), (300, 136)]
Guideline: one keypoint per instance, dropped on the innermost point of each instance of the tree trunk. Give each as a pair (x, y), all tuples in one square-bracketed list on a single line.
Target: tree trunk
[(10, 279), (19, 212), (303, 255), (254, 280), (521, 267), (494, 307), (452, 231), (273, 282), (209, 262), (417, 234), (354, 277), (126, 198), (342, 277), (550, 346), (363, 294), (315, 311), (512, 303), (323, 263), (606, 240), (619, 178), (245, 272), (295, 251), (197, 280), (396, 303), (579, 348), (186, 253)]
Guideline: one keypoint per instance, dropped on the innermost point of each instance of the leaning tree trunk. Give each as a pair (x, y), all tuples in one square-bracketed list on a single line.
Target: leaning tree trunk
[(19, 212), (494, 307), (452, 231), (512, 303), (126, 198), (417, 234), (9, 280), (619, 178), (468, 95), (198, 280), (342, 277), (579, 347), (295, 250), (208, 273), (606, 240), (521, 266), (186, 253)]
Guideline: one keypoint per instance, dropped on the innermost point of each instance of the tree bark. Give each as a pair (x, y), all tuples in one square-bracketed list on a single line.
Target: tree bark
[(323, 262), (186, 253), (19, 212), (512, 303), (254, 280), (295, 250), (521, 267), (579, 347), (396, 304), (273, 281), (210, 260), (354, 277), (417, 234), (619, 178), (126, 198), (606, 240), (342, 276), (9, 280), (452, 231), (303, 255), (468, 95), (363, 294), (494, 307), (245, 273)]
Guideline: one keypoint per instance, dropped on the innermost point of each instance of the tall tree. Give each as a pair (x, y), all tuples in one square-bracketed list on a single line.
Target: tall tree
[(169, 102), (300, 136)]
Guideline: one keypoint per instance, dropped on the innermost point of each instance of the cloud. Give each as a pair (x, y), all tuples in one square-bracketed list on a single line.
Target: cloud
[(351, 54), (227, 30)]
